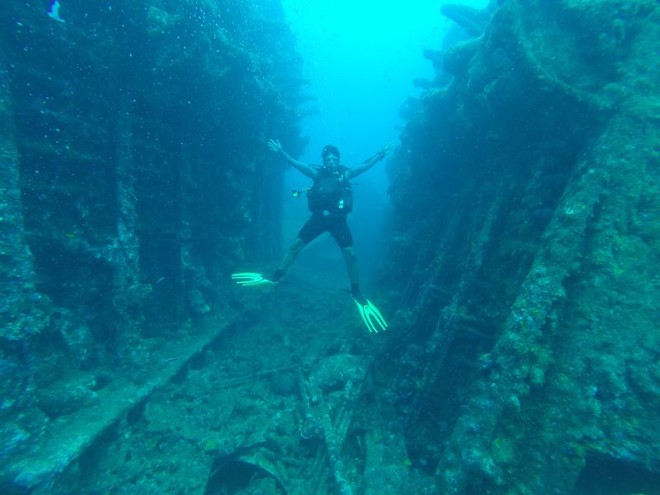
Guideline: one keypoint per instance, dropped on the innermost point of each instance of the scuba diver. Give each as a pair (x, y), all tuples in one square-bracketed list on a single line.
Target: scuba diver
[(330, 199)]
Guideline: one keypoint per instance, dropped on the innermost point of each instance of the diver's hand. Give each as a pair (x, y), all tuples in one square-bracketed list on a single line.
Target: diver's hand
[(275, 145), (387, 149), (383, 153)]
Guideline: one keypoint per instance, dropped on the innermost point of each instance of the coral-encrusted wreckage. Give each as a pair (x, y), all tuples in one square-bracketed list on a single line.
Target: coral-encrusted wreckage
[(521, 283), (527, 240)]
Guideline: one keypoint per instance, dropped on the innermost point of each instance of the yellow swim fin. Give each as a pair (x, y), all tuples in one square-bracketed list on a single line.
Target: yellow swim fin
[(251, 279), (371, 316)]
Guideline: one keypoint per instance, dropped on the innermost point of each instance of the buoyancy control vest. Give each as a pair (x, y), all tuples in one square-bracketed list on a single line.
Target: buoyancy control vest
[(331, 192)]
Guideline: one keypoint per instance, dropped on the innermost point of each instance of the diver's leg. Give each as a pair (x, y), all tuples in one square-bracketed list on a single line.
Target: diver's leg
[(344, 238), (310, 231), (289, 257), (352, 267)]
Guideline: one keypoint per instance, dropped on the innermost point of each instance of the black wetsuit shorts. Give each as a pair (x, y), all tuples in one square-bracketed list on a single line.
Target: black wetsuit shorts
[(334, 224)]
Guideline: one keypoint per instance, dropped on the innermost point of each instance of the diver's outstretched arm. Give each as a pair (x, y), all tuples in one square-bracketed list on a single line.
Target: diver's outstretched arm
[(276, 146), (370, 162)]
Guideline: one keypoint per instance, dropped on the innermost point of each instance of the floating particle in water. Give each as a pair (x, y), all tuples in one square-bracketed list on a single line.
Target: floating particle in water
[(54, 11)]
